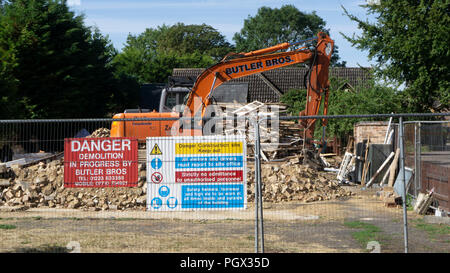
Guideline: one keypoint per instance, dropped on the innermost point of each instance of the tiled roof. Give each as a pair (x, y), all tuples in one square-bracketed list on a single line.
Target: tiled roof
[(283, 79)]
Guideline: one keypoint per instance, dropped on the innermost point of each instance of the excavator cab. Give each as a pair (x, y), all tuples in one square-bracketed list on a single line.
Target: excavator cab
[(174, 95)]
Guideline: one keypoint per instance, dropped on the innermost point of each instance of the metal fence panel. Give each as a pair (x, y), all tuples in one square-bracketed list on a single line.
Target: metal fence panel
[(429, 155), (289, 206)]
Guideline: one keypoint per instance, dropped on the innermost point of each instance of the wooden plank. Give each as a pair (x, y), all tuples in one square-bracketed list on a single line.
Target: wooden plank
[(327, 155), (263, 156), (349, 144), (387, 131), (419, 201), (380, 169), (386, 175), (253, 106), (36, 161), (366, 164), (389, 139), (393, 168), (426, 203)]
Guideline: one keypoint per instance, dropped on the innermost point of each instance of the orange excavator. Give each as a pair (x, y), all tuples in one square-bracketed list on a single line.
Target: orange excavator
[(235, 66)]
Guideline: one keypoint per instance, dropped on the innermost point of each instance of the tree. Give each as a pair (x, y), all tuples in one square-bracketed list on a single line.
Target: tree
[(8, 89), (409, 41), (151, 55), (273, 26), (8, 85), (54, 65), (373, 99), (188, 39)]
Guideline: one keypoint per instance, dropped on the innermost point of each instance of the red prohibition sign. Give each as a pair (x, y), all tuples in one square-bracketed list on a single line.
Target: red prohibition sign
[(157, 177)]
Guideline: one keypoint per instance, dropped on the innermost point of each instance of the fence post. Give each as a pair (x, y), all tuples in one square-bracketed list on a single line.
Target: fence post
[(257, 159), (402, 178), (259, 225), (419, 167), (415, 160)]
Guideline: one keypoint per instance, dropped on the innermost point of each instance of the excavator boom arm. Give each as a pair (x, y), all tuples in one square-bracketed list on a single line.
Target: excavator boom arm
[(263, 60), (237, 68)]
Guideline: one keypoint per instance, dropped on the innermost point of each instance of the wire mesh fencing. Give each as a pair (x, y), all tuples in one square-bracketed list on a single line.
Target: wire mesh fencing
[(306, 210), (428, 146), (70, 186), (31, 139), (97, 193)]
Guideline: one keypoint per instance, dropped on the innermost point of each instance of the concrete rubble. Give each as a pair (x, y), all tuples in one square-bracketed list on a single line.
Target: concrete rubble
[(295, 182), (101, 132), (42, 185)]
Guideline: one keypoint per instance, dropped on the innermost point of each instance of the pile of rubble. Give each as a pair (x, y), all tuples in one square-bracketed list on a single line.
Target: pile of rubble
[(101, 132), (295, 182), (42, 185)]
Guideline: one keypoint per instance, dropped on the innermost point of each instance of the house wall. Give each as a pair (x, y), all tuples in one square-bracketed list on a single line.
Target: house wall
[(375, 130)]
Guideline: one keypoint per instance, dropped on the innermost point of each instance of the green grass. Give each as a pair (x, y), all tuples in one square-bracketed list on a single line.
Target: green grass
[(7, 226), (75, 218), (46, 248), (367, 232), (433, 230), (126, 219)]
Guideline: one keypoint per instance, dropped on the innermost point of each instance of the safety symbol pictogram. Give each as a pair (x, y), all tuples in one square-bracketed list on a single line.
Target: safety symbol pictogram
[(164, 191), (156, 150), (156, 163), (157, 177), (172, 202), (156, 203)]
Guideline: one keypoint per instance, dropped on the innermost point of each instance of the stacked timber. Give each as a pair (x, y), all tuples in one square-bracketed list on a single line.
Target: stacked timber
[(279, 138)]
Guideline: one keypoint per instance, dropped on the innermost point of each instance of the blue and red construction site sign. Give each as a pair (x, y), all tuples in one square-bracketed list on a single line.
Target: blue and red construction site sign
[(201, 172)]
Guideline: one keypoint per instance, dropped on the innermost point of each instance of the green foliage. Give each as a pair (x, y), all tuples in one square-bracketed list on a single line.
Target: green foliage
[(273, 26), (194, 39), (6, 226), (374, 99), (410, 43), (367, 232), (152, 55), (295, 99), (53, 65)]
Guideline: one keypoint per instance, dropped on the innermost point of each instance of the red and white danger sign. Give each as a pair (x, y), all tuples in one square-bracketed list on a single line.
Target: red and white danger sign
[(100, 162)]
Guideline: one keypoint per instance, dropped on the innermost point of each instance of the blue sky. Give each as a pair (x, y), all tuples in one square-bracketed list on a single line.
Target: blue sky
[(118, 18)]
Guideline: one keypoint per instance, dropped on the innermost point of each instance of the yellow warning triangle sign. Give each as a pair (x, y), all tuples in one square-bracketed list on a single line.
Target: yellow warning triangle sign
[(156, 150)]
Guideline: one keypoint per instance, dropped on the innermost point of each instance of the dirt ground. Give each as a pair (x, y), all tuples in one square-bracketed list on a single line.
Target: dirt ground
[(346, 225)]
